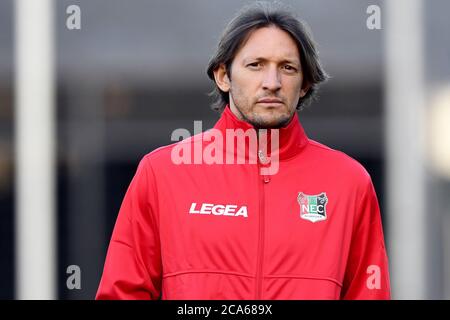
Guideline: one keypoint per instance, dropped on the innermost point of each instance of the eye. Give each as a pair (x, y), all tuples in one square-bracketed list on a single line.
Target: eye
[(254, 65), (289, 68)]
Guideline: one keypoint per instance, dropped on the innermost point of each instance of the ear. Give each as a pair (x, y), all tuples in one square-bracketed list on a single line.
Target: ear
[(304, 90), (221, 78)]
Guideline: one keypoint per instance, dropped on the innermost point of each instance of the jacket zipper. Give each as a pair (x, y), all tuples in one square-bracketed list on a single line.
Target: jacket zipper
[(260, 257)]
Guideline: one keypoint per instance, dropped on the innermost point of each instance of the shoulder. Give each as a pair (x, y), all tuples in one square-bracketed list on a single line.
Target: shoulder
[(163, 156), (338, 162)]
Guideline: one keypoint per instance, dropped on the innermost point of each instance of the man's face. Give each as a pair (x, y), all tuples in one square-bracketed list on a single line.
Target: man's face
[(266, 79)]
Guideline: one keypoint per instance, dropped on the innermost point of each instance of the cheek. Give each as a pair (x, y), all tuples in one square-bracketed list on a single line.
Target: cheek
[(293, 87), (246, 84)]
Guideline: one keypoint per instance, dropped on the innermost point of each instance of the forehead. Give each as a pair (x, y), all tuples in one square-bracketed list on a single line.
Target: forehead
[(269, 43)]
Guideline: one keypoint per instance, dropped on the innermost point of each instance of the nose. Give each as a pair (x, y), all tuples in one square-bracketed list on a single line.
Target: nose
[(272, 79)]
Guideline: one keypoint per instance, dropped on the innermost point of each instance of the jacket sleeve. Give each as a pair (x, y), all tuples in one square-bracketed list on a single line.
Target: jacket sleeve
[(132, 267), (367, 272)]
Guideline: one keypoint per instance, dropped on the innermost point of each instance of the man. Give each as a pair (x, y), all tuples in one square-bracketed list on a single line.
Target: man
[(310, 228)]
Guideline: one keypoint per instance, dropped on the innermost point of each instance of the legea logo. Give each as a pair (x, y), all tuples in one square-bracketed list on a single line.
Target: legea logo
[(219, 210)]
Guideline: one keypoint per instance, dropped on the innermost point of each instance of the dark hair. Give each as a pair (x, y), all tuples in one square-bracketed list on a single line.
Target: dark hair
[(258, 15)]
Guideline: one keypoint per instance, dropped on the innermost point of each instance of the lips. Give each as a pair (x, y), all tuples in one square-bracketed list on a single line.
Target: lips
[(270, 100)]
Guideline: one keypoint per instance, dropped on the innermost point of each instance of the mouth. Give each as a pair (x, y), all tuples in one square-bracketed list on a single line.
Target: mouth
[(270, 102)]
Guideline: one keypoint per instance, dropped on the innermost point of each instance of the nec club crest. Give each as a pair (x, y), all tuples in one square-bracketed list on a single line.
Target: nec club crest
[(313, 207)]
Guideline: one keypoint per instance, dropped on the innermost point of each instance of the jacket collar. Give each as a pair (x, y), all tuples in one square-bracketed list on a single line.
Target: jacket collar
[(292, 137)]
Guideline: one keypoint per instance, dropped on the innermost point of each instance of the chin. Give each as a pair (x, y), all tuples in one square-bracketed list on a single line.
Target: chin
[(272, 122), (271, 119)]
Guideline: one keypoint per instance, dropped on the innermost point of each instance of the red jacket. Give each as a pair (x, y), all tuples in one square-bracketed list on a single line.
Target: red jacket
[(224, 231)]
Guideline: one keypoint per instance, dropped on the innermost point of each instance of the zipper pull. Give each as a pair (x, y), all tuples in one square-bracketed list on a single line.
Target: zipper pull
[(262, 157), (263, 161)]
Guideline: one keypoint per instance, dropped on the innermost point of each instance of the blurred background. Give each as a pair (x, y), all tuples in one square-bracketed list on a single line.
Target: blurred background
[(81, 102)]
